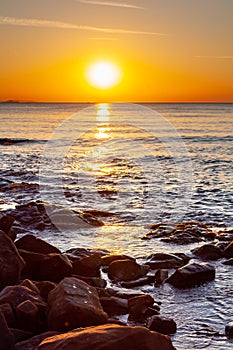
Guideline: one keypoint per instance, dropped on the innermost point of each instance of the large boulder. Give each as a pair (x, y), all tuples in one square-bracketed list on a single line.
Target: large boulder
[(126, 270), (208, 252), (41, 267), (74, 303), (108, 337), (35, 245), (11, 262), (87, 266), (191, 275)]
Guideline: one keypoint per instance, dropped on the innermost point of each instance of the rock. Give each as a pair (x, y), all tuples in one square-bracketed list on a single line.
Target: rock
[(124, 294), (6, 223), (6, 336), (208, 252), (228, 262), (191, 275), (73, 303), (87, 266), (45, 288), (126, 270), (160, 277), (138, 306), (108, 337), (228, 251), (28, 316), (29, 284), (20, 334), (75, 253), (93, 281), (11, 262), (139, 282), (162, 325), (32, 343), (108, 259), (42, 267), (164, 261), (35, 245), (229, 330), (114, 306), (15, 295), (7, 311)]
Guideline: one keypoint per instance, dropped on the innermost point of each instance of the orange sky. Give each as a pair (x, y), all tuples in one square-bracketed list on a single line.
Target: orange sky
[(170, 50)]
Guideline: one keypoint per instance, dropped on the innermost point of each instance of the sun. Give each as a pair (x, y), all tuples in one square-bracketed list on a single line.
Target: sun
[(103, 75)]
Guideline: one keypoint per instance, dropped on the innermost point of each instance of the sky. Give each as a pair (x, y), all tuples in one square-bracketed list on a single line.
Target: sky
[(167, 50)]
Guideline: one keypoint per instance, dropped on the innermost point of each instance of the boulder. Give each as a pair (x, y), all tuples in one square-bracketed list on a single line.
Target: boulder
[(93, 281), (20, 335), (42, 267), (8, 313), (228, 251), (74, 303), (208, 252), (11, 262), (6, 223), (15, 295), (29, 284), (126, 270), (33, 342), (108, 337), (229, 330), (191, 275), (164, 261), (108, 259), (45, 288), (138, 306), (36, 245), (162, 325), (6, 336), (160, 277), (114, 306), (88, 266), (139, 282), (28, 316)]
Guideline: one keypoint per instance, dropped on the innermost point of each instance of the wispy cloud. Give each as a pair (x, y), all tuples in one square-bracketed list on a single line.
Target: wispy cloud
[(111, 3), (217, 57), (26, 22)]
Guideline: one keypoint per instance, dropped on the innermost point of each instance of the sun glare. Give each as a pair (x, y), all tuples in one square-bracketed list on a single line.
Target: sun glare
[(103, 75)]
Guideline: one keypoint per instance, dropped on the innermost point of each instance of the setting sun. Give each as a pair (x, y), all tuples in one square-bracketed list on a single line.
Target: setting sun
[(103, 75)]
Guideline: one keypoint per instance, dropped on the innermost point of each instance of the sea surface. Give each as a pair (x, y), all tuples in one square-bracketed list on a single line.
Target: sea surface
[(146, 164)]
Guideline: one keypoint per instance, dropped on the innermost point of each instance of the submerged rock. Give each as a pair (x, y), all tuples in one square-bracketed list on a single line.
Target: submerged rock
[(191, 275), (74, 303), (162, 325), (108, 337)]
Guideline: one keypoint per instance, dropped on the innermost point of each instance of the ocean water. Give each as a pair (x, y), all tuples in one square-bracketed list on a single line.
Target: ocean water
[(146, 164)]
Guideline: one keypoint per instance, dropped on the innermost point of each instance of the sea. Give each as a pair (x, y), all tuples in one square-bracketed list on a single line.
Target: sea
[(141, 163)]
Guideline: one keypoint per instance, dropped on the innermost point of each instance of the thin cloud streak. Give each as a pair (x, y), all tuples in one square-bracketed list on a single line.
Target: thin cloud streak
[(217, 57), (25, 22), (111, 3)]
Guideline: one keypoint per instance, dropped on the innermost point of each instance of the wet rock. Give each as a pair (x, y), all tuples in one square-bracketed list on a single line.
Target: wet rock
[(208, 252), (32, 343), (45, 288), (164, 261), (124, 294), (80, 253), (74, 303), (28, 215), (93, 281), (160, 277), (229, 330), (162, 325), (88, 266), (6, 223), (109, 337), (30, 285), (108, 259), (138, 306), (46, 267), (29, 316), (6, 336), (228, 251), (228, 262), (139, 282), (7, 311), (15, 295), (35, 245), (11, 262), (126, 270), (191, 275), (114, 306)]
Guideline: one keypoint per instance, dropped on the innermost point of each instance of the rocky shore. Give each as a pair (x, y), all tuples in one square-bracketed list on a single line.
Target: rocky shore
[(75, 299)]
